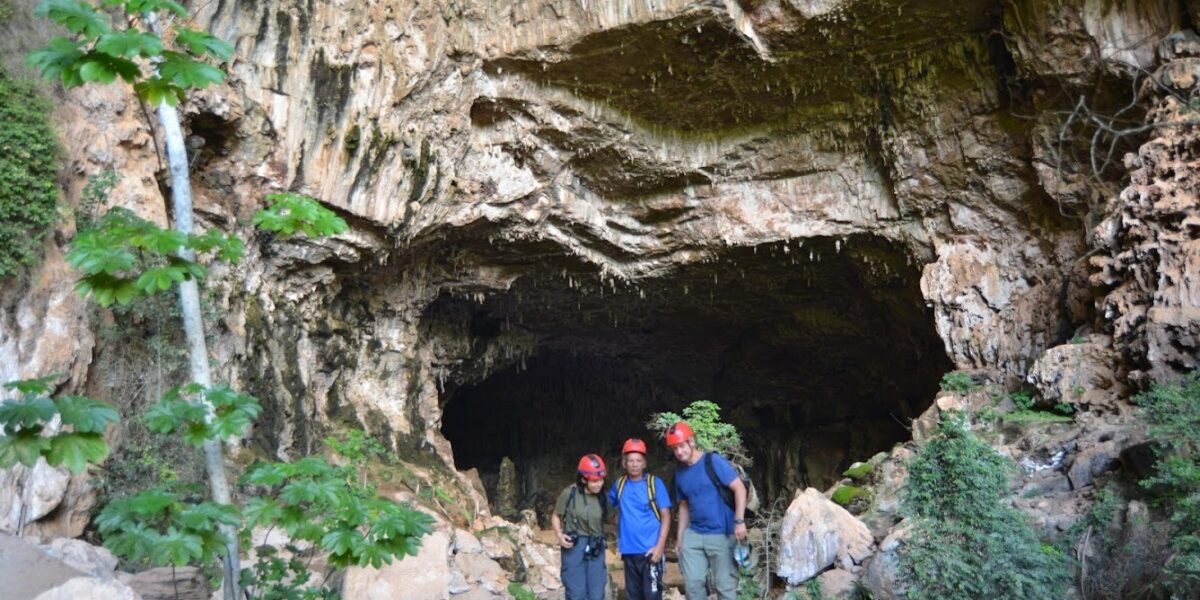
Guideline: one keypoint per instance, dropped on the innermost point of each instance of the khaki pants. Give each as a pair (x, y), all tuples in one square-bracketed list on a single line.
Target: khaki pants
[(704, 552)]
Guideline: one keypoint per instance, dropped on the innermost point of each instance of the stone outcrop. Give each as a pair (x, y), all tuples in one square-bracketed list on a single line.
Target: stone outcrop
[(816, 534)]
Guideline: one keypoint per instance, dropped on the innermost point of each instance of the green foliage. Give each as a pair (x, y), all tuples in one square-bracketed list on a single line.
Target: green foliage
[(290, 214), (29, 163), (1022, 400), (958, 383), (25, 420), (359, 448), (748, 587), (124, 256), (711, 433), (320, 505), (185, 409), (96, 52), (93, 198), (1173, 412), (160, 528), (1035, 416), (967, 541)]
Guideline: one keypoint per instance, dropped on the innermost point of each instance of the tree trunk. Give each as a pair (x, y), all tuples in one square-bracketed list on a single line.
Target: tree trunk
[(193, 326)]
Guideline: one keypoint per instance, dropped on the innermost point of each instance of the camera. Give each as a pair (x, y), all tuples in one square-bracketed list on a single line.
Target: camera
[(595, 545)]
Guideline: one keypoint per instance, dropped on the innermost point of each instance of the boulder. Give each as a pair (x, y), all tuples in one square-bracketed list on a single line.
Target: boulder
[(39, 490), (816, 534), (425, 576), (1086, 372), (1090, 463), (82, 556), (837, 583), (881, 570), (90, 588), (26, 571), (163, 583)]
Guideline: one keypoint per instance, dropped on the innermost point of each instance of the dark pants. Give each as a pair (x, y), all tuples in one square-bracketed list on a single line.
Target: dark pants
[(643, 579), (583, 577)]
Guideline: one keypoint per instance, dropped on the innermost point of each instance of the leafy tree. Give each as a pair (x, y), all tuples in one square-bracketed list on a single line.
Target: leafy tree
[(1173, 412), (161, 74), (28, 424), (966, 541)]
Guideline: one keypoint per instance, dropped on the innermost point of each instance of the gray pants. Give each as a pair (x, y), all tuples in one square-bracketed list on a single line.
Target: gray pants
[(704, 552), (583, 577)]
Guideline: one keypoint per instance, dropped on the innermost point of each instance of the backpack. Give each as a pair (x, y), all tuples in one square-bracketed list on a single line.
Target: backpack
[(649, 491)]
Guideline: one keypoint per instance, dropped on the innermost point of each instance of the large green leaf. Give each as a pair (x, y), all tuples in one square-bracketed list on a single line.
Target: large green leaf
[(130, 43), (187, 72), (156, 91), (40, 385), (27, 411), (76, 450), (77, 17), (22, 448), (145, 6), (85, 414), (106, 289), (200, 43), (177, 548), (59, 59)]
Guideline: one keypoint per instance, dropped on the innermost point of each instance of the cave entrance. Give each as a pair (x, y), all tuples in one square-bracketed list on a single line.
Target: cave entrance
[(819, 352)]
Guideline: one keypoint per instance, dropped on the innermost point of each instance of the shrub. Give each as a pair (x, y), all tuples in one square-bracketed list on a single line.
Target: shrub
[(1173, 412), (966, 541), (958, 383), (29, 163), (711, 433)]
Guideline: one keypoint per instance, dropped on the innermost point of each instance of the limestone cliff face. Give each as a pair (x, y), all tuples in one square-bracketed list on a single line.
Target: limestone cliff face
[(616, 145)]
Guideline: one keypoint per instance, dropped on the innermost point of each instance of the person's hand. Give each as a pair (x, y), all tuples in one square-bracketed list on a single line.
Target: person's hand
[(564, 540), (679, 544), (656, 554), (739, 531)]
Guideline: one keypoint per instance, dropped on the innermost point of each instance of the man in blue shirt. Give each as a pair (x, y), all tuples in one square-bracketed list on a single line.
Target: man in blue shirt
[(643, 519), (708, 525)]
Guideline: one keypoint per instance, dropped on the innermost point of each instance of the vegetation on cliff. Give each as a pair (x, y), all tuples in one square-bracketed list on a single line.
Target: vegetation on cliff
[(29, 163)]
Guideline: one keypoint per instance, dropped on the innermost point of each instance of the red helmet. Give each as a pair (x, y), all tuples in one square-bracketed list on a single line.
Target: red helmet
[(591, 466), (633, 445), (679, 433)]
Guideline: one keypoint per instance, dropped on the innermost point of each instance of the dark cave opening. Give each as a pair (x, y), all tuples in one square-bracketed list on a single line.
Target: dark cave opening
[(819, 352)]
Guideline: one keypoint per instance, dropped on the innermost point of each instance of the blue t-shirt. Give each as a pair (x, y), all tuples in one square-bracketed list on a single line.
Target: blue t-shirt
[(707, 512), (637, 530)]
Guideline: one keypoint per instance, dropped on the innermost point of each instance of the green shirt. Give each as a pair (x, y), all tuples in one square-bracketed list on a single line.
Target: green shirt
[(584, 517)]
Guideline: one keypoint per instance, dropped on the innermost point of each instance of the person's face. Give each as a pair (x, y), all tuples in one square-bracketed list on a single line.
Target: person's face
[(594, 485), (635, 464), (683, 452)]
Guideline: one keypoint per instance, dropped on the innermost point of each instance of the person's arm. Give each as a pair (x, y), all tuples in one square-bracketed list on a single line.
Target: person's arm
[(556, 524), (656, 553), (739, 508), (682, 509)]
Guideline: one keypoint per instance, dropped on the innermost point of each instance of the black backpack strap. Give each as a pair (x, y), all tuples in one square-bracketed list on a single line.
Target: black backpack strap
[(722, 489)]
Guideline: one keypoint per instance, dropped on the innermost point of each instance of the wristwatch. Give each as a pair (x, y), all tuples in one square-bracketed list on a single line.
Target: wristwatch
[(739, 521)]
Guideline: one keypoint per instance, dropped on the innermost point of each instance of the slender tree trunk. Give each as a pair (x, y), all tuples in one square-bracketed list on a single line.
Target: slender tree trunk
[(193, 326)]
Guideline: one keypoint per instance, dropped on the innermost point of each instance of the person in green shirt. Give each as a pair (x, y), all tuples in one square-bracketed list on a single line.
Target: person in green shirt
[(578, 523)]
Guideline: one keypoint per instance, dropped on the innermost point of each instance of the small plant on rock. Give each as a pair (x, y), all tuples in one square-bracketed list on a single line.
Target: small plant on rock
[(711, 433), (958, 382)]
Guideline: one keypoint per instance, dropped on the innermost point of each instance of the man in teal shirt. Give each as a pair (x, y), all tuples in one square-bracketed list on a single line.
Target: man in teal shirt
[(643, 519)]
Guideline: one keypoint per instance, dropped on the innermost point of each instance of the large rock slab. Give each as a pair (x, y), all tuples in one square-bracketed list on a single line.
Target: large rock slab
[(425, 576), (816, 534)]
